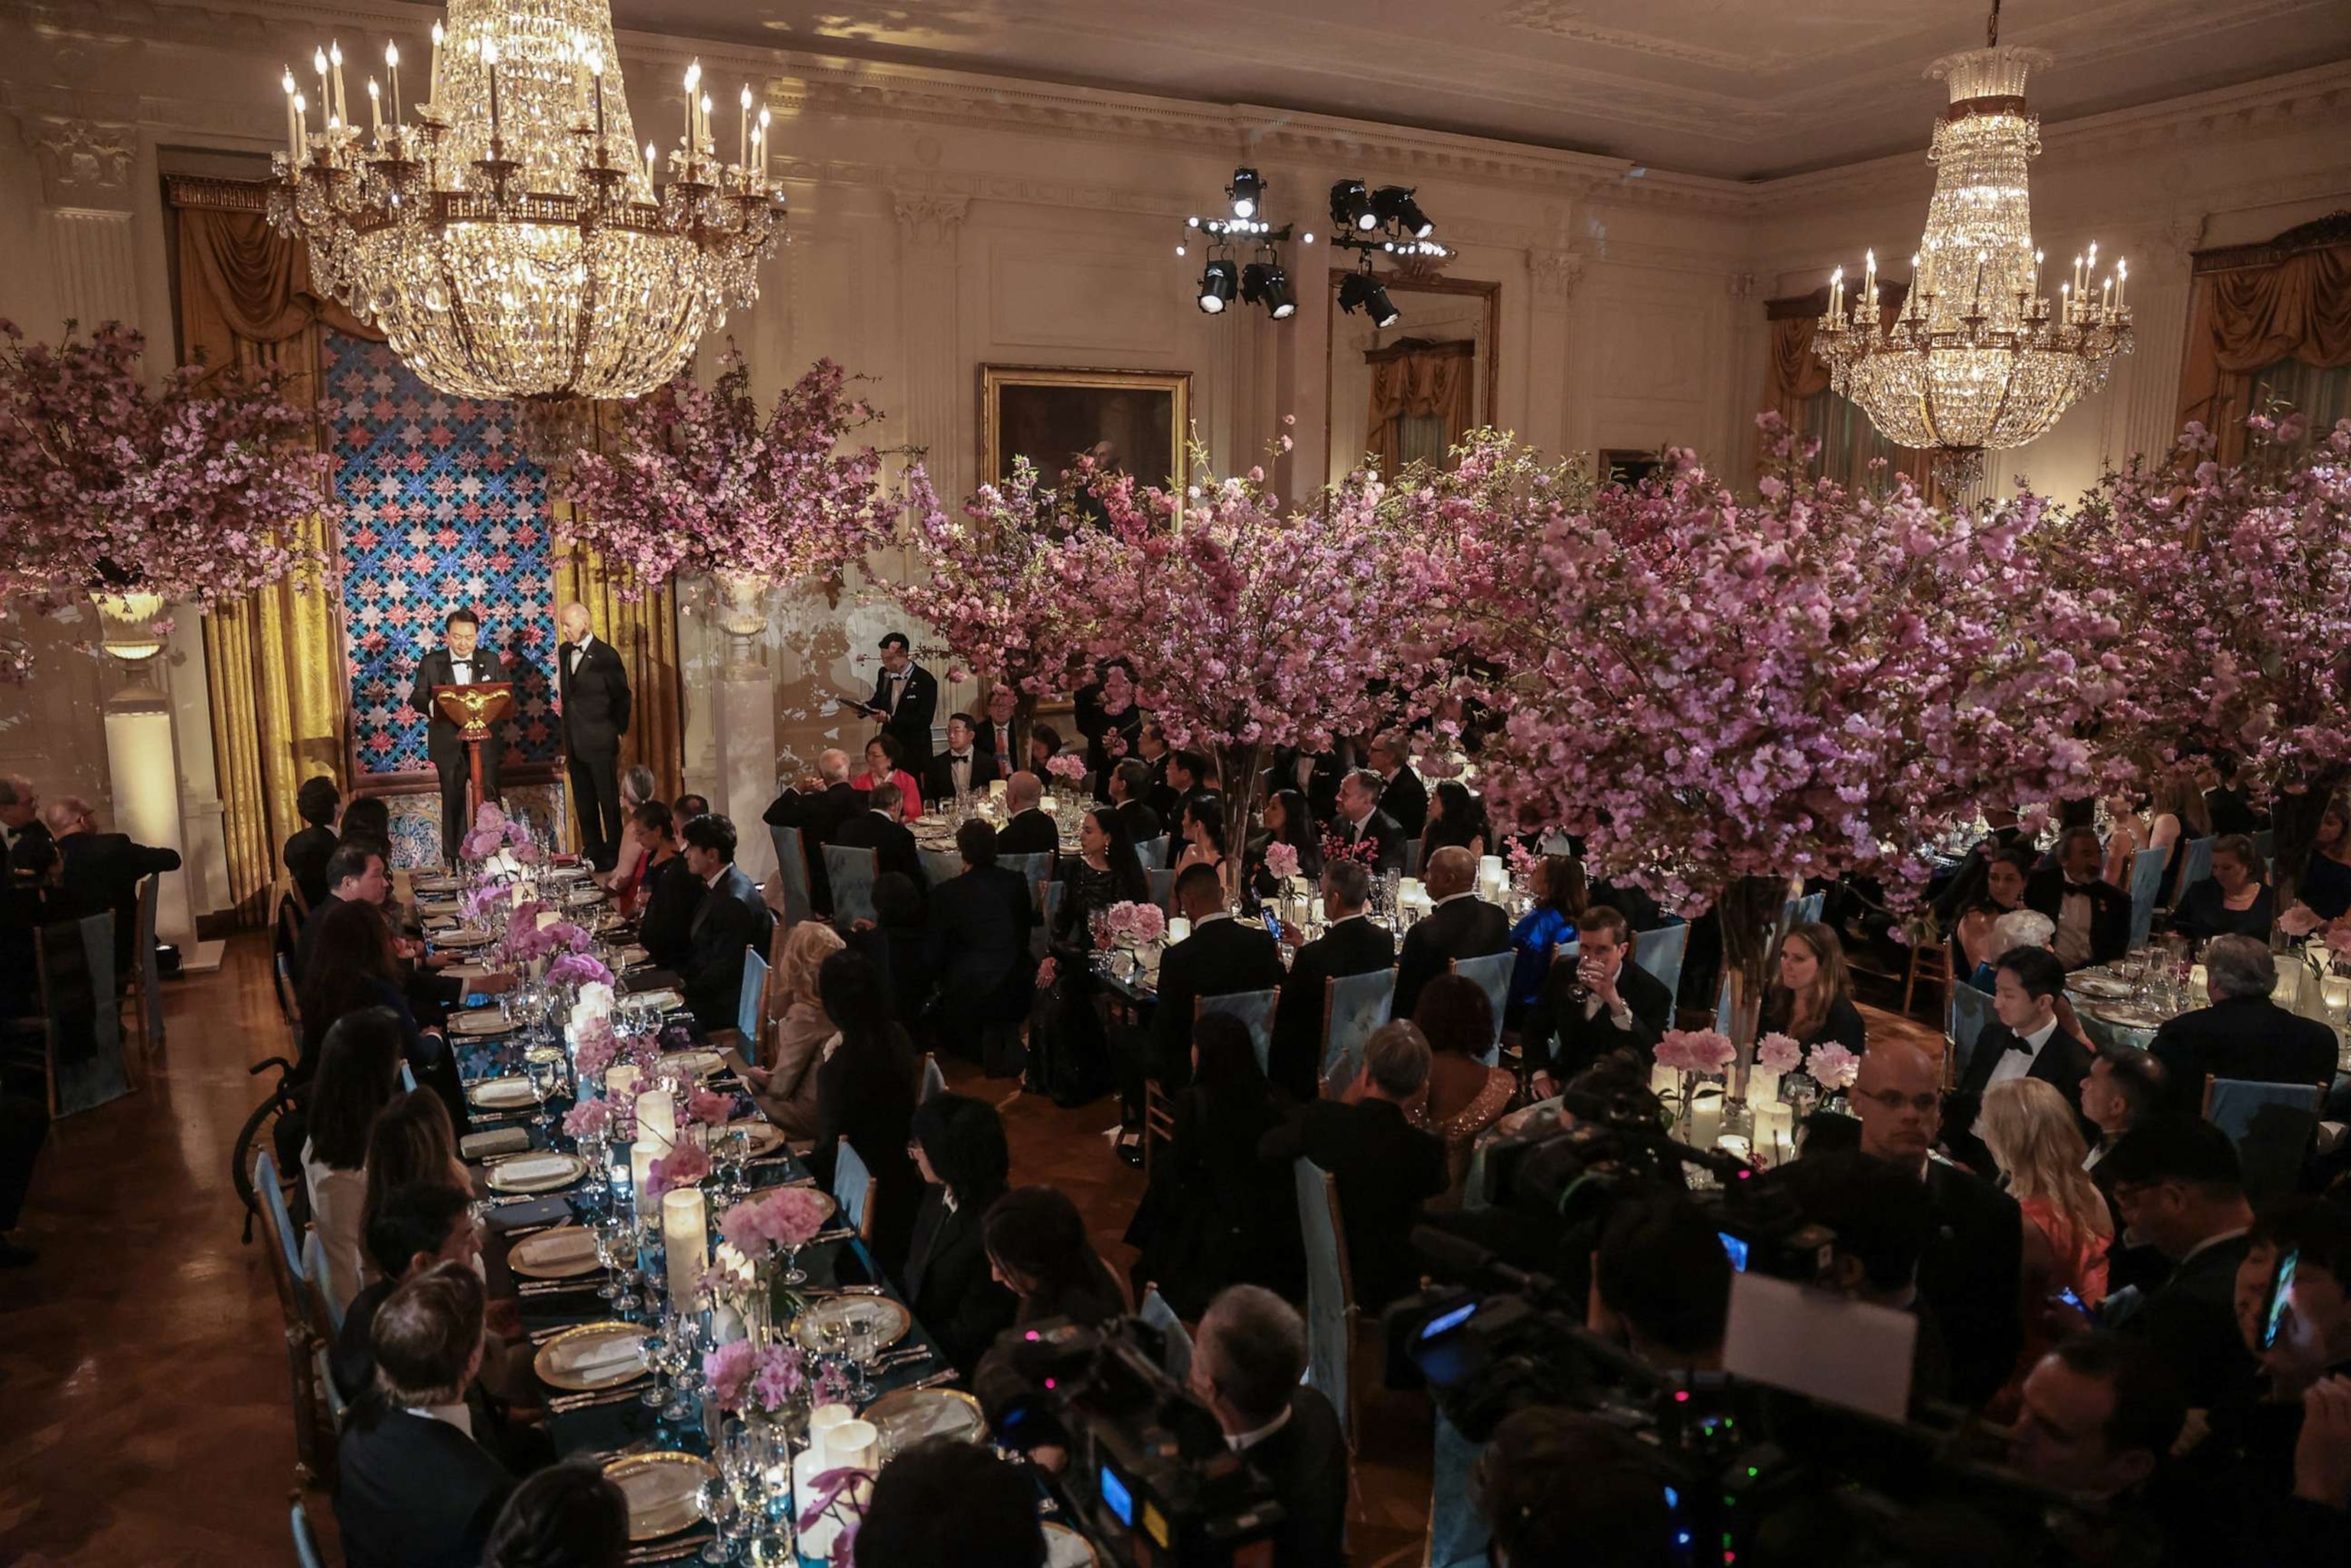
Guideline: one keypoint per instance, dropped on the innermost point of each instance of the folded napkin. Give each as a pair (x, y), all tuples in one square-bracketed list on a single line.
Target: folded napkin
[(604, 1354), (522, 1215), (503, 1141), (567, 1246), (532, 1168)]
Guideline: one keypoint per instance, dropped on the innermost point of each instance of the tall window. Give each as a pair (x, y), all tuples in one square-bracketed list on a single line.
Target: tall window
[(1849, 442), (2324, 395)]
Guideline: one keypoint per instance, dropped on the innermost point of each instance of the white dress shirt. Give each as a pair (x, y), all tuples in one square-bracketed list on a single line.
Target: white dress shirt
[(456, 1415), (2075, 911), (2013, 1063), (461, 671), (1242, 1442)]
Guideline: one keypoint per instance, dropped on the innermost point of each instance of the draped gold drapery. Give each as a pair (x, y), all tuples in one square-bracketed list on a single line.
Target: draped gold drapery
[(273, 659), (2252, 306), (1793, 375), (1415, 379)]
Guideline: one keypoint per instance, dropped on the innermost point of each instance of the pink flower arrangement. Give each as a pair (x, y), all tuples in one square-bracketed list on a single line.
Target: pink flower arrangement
[(597, 1050), (1778, 1054), (1135, 924), (589, 1116), (2338, 942), (788, 1217), (685, 1165), (709, 1108), (988, 583), (1833, 1066), (578, 969), (1701, 1051), (1281, 860), (1067, 767), (479, 902), (1521, 859), (745, 1377)]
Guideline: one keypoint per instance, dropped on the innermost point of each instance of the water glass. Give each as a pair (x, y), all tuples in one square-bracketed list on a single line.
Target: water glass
[(863, 1342), (717, 1500)]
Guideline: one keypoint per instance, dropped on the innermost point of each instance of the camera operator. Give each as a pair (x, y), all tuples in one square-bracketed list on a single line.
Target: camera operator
[(1661, 1284), (947, 1503), (1880, 1219), (1557, 1486), (1247, 1361)]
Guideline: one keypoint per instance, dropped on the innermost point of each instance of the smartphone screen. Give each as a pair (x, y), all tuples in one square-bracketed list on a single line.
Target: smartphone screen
[(1272, 923), (1735, 1249), (2280, 1290)]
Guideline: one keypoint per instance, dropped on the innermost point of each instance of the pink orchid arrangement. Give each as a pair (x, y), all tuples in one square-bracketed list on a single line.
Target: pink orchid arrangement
[(696, 482), (1699, 1051), (525, 939), (588, 1117), (494, 830), (1833, 1066), (1135, 924), (685, 1165), (1777, 1052), (1067, 767), (1281, 860), (708, 1107), (481, 901), (200, 488), (597, 1048), (786, 1216), (745, 1376), (578, 969)]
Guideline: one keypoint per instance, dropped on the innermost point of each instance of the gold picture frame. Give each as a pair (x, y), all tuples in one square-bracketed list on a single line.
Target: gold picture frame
[(1051, 414)]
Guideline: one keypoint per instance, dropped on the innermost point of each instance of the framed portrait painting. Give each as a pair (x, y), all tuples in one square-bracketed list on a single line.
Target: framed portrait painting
[(1129, 422)]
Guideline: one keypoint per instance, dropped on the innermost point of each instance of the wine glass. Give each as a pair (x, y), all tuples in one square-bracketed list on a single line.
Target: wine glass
[(606, 1230), (793, 1274), (861, 1338), (718, 1505), (682, 1339), (541, 1075)]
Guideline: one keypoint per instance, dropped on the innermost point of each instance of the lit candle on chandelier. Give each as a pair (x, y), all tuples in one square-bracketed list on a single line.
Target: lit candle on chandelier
[(326, 93), (743, 129), (649, 171), (693, 80), (2122, 282), (490, 59), (293, 116), (342, 104), (433, 85), (391, 71), (707, 143), (596, 74), (1836, 295), (375, 107)]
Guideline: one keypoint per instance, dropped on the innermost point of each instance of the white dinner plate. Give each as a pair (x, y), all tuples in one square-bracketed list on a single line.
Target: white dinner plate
[(890, 1319), (663, 1488), (543, 1172), (594, 1356), (565, 1252), (480, 1021)]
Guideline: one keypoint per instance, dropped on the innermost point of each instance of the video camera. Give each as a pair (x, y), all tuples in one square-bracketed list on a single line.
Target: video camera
[(1150, 1479)]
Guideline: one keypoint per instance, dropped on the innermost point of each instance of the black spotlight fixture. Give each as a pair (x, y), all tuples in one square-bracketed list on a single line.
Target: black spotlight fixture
[(1361, 292), (1217, 284), (1393, 204), (1247, 193), (1351, 207), (1264, 283)]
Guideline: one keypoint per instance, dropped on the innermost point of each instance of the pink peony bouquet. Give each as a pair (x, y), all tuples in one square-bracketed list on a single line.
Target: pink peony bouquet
[(685, 1165), (2338, 941), (744, 1376), (709, 1108), (1134, 924), (1698, 1050), (1778, 1054), (788, 1217), (577, 970), (1834, 1066), (588, 1117), (1069, 767), (1281, 860)]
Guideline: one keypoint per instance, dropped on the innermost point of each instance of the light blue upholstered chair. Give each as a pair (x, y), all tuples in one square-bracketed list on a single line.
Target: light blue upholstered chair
[(1352, 1007), (850, 871)]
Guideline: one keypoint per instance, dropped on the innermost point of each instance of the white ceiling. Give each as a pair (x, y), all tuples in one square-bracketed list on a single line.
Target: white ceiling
[(1736, 88)]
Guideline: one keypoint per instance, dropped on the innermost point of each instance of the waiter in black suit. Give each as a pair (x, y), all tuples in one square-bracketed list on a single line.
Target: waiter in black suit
[(904, 698), (2027, 1042), (594, 685), (459, 662)]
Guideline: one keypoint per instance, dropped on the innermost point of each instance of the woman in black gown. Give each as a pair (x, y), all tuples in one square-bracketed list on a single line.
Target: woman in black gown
[(1068, 1054)]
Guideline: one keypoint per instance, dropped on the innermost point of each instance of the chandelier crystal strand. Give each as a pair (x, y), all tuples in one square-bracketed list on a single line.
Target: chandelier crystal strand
[(504, 235), (1977, 359)]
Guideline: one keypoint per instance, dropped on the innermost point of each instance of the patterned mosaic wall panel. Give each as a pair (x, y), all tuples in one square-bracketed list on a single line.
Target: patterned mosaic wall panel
[(445, 512), (417, 820)]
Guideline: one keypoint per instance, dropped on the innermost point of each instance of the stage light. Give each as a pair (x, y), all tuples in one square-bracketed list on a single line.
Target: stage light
[(1361, 292), (1351, 206), (1393, 204), (1264, 283), (1247, 190), (1217, 285)]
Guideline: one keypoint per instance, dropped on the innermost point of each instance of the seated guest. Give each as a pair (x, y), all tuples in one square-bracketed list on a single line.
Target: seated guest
[(413, 1141), (817, 806), (1247, 1363), (2225, 800), (2178, 816), (978, 949), (2326, 885), (1287, 821), (1037, 1248), (20, 814), (960, 1151), (786, 1087), (733, 919), (687, 807), (2242, 1034), (947, 1503), (1597, 1003), (1557, 1486), (566, 1516), (1130, 789), (1661, 1284), (963, 769), (1970, 1273), (2124, 1087), (2025, 1043), (353, 968), (2175, 1184), (877, 828), (882, 768), (1465, 1096), (865, 1093), (367, 819), (1044, 745), (1191, 773), (1026, 830), (2101, 1414), (1810, 996), (100, 872), (1404, 798), (1220, 957), (2034, 1138), (306, 852), (1456, 821), (1364, 830), (2232, 902), (2093, 916), (1217, 1215), (1975, 943), (355, 872), (1350, 944), (1385, 1167), (897, 943), (1879, 1218), (1201, 827), (2309, 1355), (1561, 898), (1460, 925), (1069, 1051), (1151, 749), (411, 1229), (1313, 774), (670, 895), (995, 732), (416, 1489), (638, 788), (359, 1070)]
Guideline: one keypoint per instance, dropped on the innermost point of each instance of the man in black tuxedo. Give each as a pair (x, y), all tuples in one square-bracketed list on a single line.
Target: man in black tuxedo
[(2176, 1185), (2093, 916), (2027, 1041), (101, 872), (594, 685), (817, 806), (1402, 794), (20, 813), (993, 734), (1027, 831), (1151, 749), (2242, 1034), (1599, 1002), (962, 768), (1385, 1167), (1313, 774), (877, 828), (416, 1490), (459, 663), (1130, 782), (1247, 1361), (1350, 944), (307, 851), (1972, 1273), (1222, 955), (905, 696), (734, 919), (355, 873), (1361, 822), (1191, 775), (978, 948), (1460, 925)]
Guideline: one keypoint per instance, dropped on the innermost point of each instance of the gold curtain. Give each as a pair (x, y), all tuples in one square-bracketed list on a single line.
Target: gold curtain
[(2254, 305), (645, 634), (1417, 379), (273, 659), (1795, 375)]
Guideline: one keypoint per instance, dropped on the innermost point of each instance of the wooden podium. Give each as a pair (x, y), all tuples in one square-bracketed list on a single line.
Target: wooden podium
[(473, 709)]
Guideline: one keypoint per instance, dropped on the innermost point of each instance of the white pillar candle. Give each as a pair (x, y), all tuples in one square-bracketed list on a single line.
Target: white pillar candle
[(620, 1081), (641, 1157), (851, 1445), (686, 1240), (656, 1119)]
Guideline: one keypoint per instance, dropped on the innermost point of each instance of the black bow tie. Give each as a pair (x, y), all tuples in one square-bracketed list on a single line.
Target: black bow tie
[(2017, 1042)]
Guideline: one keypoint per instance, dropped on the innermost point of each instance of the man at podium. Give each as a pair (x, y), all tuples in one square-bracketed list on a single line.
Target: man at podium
[(456, 665)]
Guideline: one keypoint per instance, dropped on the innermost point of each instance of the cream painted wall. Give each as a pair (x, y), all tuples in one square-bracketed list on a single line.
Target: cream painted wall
[(943, 221)]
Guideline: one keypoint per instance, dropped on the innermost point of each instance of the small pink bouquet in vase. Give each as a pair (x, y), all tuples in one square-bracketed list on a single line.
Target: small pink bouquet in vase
[(1281, 860), (1694, 1054), (778, 1224), (1068, 770), (1132, 925)]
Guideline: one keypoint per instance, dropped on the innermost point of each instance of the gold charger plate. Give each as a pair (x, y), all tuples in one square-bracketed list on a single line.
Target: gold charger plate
[(661, 1488), (458, 941), (764, 1137), (662, 1000), (479, 1022), (2107, 988), (909, 1415), (701, 1063), (565, 1252), (574, 897), (558, 1360), (436, 883), (501, 1095), (893, 1319), (543, 1053), (543, 1170), (2125, 1017)]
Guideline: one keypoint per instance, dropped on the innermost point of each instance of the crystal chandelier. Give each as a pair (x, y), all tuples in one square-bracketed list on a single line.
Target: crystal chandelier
[(504, 237), (1976, 358)]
